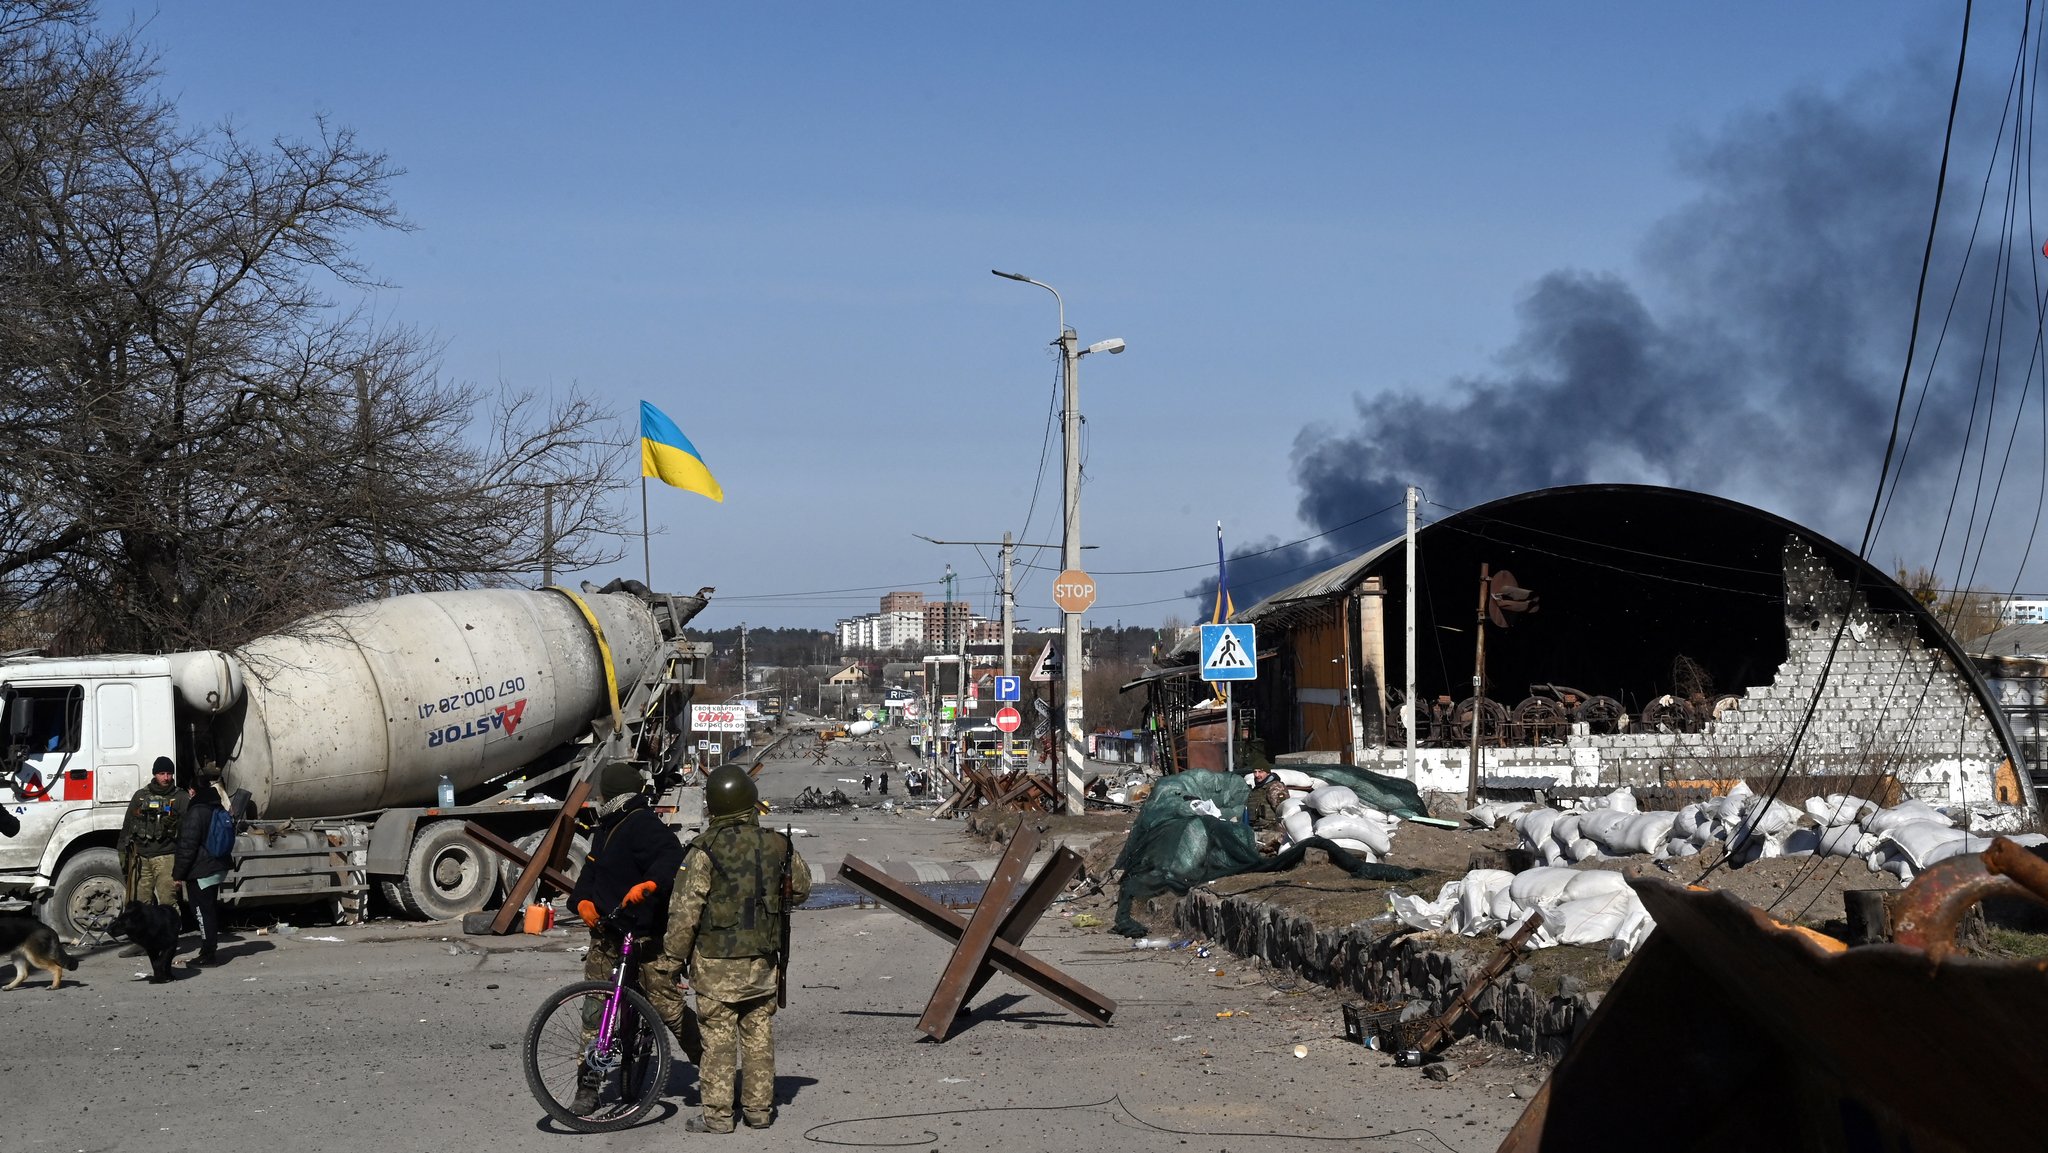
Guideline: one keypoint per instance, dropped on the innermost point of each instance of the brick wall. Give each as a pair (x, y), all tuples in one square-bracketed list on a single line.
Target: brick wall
[(1890, 704)]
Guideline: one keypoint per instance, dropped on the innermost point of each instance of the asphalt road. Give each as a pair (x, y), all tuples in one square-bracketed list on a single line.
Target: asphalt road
[(396, 1036)]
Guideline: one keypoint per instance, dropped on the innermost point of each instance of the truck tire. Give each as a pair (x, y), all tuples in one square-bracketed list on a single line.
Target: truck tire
[(579, 848), (398, 898), (448, 874), (89, 892)]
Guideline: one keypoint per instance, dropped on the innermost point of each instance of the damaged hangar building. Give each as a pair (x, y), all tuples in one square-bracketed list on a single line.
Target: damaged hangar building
[(1680, 640)]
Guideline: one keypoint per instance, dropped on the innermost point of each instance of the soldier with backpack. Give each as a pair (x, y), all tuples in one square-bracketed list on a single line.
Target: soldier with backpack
[(206, 847), (148, 843), (729, 920)]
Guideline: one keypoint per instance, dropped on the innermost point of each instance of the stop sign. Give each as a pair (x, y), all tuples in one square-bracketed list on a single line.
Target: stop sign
[(1008, 719), (1073, 590)]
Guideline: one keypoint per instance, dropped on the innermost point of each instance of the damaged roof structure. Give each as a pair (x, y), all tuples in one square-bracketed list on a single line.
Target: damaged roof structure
[(1680, 638)]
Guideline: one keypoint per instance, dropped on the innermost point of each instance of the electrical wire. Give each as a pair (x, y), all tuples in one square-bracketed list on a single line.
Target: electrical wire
[(1126, 1116), (1328, 561)]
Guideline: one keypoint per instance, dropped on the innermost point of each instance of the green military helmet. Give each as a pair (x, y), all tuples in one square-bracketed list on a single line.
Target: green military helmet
[(730, 790)]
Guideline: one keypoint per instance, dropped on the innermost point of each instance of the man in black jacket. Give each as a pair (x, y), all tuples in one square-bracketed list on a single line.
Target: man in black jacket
[(633, 861), (198, 872)]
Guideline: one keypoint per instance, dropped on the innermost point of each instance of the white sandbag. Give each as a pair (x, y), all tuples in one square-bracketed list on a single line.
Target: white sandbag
[(1802, 842), (1603, 827), (1687, 821), (1534, 826), (1840, 841), (1589, 920), (1680, 847), (1838, 809), (1535, 886), (1474, 913), (1295, 778), (1300, 826), (1581, 850), (1566, 830), (1620, 801), (1924, 842), (1355, 827), (1289, 807), (1424, 914), (1769, 818), (1490, 813), (1645, 831), (2030, 840), (1359, 847), (1333, 799), (1552, 854), (1885, 820), (1593, 883)]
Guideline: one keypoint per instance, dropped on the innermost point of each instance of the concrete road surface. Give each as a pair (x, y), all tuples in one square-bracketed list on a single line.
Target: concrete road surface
[(397, 1036)]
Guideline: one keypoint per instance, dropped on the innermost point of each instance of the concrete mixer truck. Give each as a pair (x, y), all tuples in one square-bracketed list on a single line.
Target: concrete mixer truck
[(362, 742)]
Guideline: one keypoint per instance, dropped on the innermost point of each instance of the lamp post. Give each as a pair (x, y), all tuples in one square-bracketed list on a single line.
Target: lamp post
[(1074, 785)]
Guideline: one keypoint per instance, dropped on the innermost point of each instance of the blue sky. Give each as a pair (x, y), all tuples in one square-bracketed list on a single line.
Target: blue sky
[(776, 222)]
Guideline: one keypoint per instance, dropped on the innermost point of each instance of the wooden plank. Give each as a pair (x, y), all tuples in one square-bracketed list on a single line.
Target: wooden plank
[(560, 830), (511, 852)]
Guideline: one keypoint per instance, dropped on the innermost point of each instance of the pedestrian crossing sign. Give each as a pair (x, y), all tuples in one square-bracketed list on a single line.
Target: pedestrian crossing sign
[(1230, 652)]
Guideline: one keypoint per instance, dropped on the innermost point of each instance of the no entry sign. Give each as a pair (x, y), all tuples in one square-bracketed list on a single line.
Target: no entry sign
[(1008, 719)]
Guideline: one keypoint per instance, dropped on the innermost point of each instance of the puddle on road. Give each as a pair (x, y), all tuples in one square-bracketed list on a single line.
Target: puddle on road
[(951, 894)]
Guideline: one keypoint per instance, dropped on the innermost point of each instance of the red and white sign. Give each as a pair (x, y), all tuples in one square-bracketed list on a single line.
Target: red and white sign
[(1073, 590), (718, 719), (1008, 719)]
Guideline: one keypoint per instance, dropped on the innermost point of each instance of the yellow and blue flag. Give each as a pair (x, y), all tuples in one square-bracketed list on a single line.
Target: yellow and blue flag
[(668, 455), (1226, 609)]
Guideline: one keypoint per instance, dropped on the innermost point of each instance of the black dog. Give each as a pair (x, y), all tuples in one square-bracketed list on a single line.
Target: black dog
[(155, 928)]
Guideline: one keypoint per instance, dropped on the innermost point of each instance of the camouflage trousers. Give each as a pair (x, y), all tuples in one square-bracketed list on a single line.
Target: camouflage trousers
[(657, 979), (737, 1034), (151, 881)]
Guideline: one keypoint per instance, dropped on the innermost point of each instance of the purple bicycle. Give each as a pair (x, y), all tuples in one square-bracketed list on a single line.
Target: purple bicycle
[(602, 1031)]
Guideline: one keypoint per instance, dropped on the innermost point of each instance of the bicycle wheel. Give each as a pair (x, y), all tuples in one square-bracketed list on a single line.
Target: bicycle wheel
[(634, 1068)]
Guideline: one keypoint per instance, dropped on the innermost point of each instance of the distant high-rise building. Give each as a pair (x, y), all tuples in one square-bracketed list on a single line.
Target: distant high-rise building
[(901, 602), (945, 622)]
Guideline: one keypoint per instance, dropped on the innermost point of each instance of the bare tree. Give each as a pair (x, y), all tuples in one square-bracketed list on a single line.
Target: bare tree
[(200, 444)]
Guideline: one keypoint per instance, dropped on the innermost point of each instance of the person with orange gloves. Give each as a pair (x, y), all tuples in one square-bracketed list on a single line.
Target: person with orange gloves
[(632, 863)]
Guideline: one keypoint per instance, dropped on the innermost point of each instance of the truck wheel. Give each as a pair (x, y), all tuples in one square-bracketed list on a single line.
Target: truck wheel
[(89, 893), (400, 901), (448, 873), (579, 848)]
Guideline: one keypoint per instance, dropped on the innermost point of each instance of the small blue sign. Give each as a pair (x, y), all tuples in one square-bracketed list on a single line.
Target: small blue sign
[(1009, 688), (1230, 652)]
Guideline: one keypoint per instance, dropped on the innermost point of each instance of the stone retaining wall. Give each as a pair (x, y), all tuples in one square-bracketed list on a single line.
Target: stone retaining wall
[(1393, 967)]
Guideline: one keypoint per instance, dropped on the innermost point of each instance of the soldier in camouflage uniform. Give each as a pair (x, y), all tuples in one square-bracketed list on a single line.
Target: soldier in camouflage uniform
[(148, 844), (726, 919)]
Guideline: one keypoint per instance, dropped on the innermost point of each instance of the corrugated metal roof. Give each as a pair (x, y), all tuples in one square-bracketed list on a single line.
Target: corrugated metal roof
[(2012, 641), (1322, 586)]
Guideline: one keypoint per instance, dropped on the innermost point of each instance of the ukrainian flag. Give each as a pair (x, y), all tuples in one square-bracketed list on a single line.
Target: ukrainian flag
[(668, 455)]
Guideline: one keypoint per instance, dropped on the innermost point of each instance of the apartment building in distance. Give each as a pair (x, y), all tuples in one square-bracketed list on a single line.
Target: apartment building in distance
[(907, 620)]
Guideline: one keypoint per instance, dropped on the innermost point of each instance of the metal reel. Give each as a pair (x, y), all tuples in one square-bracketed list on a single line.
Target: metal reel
[(1541, 721), (1493, 720)]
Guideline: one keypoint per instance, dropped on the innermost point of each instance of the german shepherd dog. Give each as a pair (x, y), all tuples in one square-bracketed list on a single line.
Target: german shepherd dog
[(155, 928), (30, 944)]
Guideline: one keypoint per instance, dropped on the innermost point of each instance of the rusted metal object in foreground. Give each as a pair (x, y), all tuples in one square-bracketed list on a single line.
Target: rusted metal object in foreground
[(989, 942), (1733, 1031)]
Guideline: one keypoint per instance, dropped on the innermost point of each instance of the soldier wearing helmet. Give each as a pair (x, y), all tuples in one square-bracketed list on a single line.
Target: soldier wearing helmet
[(727, 921)]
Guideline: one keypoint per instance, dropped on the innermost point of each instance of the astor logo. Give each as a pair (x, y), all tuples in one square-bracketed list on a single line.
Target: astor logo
[(504, 718)]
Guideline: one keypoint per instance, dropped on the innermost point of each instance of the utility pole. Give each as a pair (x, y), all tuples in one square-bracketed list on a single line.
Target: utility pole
[(1074, 787), (1414, 709), (743, 658), (1478, 685), (1009, 602)]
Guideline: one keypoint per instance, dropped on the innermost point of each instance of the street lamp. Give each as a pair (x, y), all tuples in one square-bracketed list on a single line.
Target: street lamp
[(1074, 786)]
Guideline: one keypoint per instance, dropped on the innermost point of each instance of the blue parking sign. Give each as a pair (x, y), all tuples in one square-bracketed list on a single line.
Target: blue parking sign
[(1008, 688)]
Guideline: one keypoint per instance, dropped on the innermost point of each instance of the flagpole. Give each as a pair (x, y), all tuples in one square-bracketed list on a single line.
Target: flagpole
[(646, 555)]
